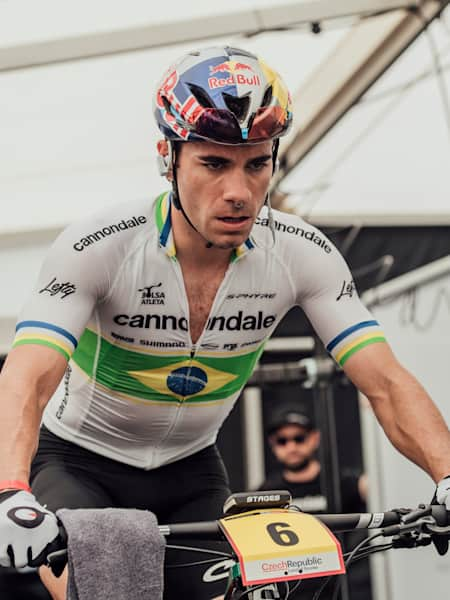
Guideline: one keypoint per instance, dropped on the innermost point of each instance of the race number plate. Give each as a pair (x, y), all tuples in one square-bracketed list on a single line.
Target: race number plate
[(281, 545)]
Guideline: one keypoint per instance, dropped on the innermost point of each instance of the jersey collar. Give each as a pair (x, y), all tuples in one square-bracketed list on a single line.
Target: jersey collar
[(164, 225)]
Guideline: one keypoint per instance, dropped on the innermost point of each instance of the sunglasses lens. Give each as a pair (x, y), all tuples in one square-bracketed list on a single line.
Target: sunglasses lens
[(268, 122), (223, 127), (219, 125), (298, 439)]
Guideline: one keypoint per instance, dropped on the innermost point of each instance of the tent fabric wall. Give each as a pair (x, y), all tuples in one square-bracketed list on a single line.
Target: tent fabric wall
[(364, 249)]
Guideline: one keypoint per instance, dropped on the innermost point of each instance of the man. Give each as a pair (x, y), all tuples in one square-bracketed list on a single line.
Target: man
[(164, 308), (294, 441)]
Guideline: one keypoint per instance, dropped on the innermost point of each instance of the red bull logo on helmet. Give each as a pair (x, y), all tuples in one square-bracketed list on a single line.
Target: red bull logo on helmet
[(229, 67), (234, 76), (235, 79)]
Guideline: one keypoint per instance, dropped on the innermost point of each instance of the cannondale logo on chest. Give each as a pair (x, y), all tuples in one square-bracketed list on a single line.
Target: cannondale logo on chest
[(236, 322)]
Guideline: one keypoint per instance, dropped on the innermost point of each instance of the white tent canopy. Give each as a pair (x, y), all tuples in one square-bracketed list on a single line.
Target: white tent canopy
[(78, 135)]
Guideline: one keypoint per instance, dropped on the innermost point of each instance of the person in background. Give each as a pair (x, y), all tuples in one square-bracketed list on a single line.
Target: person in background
[(294, 440)]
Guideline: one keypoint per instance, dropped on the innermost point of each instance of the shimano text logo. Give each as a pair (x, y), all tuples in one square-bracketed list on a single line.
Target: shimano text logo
[(156, 344)]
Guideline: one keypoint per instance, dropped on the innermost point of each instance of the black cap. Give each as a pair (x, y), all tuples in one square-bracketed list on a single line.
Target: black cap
[(289, 417)]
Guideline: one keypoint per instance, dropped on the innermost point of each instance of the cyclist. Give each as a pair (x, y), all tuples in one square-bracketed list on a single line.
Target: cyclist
[(163, 309)]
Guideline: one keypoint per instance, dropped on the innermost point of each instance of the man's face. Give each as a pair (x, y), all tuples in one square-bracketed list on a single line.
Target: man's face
[(294, 445), (222, 188)]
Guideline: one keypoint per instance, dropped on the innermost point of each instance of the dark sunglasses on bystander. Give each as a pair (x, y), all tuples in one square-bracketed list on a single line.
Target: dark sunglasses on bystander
[(298, 439)]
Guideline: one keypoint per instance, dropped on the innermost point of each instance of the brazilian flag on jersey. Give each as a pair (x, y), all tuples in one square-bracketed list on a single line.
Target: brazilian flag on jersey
[(163, 377)]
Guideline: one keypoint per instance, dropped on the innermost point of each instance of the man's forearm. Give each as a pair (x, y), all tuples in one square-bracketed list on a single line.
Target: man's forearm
[(414, 424), (19, 428), (29, 378)]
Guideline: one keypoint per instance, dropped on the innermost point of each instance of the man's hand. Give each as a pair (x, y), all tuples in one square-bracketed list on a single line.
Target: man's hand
[(442, 496), (443, 492), (27, 529)]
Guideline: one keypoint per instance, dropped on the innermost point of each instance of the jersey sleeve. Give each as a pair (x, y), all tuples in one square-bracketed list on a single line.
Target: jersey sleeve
[(328, 295), (68, 286)]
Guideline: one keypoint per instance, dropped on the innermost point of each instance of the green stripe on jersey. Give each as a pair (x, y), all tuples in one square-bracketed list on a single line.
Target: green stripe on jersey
[(359, 346), (42, 343), (164, 378)]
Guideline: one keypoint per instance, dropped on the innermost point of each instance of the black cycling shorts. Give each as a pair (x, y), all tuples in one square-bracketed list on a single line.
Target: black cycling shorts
[(64, 475)]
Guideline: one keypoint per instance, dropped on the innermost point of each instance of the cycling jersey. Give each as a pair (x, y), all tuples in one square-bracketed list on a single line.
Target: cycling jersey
[(110, 297)]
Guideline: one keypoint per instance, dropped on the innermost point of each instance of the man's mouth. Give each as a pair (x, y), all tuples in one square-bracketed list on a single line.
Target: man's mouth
[(233, 219)]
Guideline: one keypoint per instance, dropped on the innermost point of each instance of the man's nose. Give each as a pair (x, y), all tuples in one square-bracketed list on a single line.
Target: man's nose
[(291, 442), (237, 186)]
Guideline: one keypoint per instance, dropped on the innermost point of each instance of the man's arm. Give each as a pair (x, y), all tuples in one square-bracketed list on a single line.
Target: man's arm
[(407, 414), (29, 377)]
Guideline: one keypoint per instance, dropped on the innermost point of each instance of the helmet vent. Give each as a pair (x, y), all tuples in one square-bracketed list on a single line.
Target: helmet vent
[(238, 106), (201, 96), (166, 103), (267, 99)]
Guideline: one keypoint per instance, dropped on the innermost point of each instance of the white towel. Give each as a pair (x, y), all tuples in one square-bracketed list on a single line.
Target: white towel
[(113, 554)]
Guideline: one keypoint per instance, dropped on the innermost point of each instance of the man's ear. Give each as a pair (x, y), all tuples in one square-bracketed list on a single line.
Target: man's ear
[(163, 159), (315, 438)]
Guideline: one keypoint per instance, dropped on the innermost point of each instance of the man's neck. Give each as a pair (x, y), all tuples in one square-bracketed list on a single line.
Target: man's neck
[(305, 475)]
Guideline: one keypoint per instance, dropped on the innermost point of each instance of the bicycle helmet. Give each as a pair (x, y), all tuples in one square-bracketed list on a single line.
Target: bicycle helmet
[(224, 95)]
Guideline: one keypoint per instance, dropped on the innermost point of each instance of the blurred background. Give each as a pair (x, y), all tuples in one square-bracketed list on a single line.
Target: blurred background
[(367, 161)]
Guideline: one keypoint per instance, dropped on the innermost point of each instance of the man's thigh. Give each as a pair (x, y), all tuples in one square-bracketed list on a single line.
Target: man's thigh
[(56, 487), (60, 477)]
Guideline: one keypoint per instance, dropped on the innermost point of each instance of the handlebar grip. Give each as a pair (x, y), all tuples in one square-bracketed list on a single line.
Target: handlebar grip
[(441, 514), (201, 530)]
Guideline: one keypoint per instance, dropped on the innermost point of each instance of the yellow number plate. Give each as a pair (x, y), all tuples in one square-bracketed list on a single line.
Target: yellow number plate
[(281, 545)]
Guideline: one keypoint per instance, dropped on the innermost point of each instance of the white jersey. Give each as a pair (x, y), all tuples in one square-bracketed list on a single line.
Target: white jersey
[(111, 298)]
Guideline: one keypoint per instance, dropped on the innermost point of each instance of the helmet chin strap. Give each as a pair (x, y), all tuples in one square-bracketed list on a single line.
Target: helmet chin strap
[(172, 159), (175, 193)]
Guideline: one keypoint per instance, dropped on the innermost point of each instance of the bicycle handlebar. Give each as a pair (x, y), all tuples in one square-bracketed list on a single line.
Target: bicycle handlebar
[(336, 522), (434, 517)]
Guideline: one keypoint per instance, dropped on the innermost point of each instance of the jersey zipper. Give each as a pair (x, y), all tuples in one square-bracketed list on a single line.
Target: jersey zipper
[(193, 347)]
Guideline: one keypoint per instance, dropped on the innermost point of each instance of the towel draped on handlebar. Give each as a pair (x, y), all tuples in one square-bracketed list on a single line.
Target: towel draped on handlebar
[(113, 553)]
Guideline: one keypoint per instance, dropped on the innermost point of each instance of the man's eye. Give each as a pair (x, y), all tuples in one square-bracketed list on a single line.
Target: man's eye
[(213, 166), (258, 166)]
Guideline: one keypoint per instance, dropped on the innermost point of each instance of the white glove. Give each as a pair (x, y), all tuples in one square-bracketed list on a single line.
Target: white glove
[(26, 529), (443, 492)]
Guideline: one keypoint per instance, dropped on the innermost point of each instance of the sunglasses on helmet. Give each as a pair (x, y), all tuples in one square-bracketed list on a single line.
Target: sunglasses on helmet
[(222, 125)]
